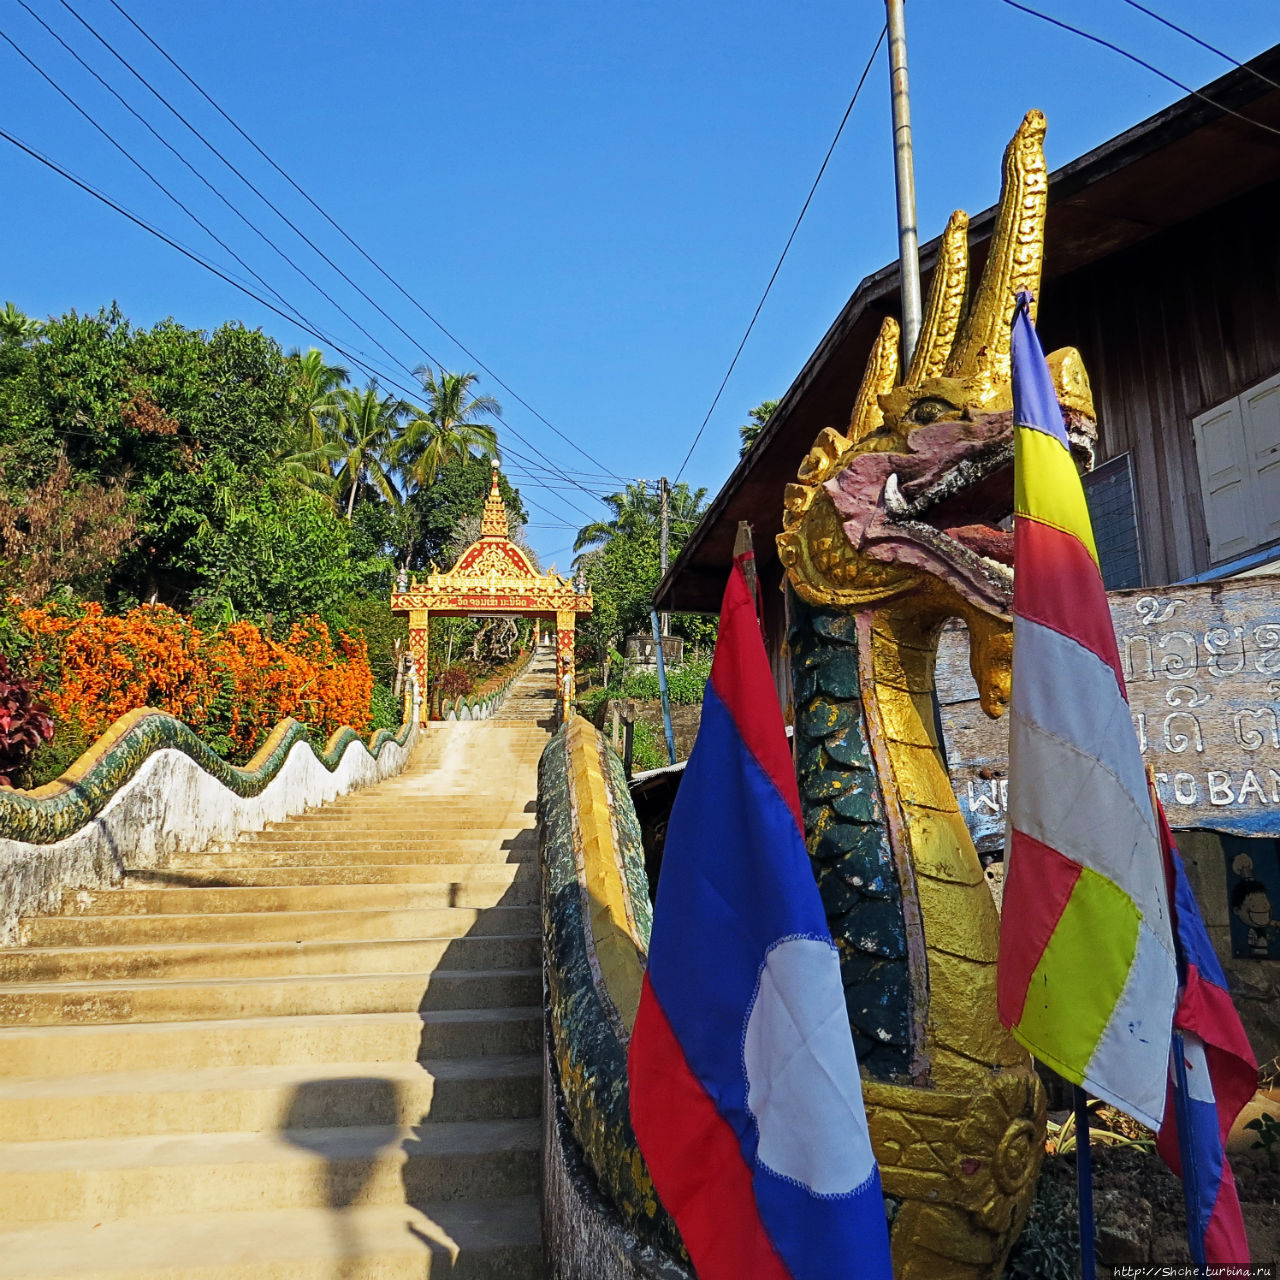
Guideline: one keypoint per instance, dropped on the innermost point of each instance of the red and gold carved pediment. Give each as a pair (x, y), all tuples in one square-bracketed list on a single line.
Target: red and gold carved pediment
[(493, 575)]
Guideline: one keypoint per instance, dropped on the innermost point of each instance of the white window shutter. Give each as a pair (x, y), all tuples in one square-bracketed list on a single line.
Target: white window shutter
[(1226, 481), (1261, 412)]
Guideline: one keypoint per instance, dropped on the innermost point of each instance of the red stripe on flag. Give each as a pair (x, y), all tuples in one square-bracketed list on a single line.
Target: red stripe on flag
[(1038, 884), (1206, 1010), (1058, 585), (694, 1157), (743, 681)]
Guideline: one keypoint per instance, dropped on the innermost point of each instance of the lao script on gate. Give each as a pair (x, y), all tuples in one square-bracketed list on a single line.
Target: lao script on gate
[(1202, 664)]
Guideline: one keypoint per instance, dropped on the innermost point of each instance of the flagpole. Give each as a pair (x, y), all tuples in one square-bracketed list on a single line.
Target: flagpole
[(1084, 1186), (1190, 1181), (905, 178)]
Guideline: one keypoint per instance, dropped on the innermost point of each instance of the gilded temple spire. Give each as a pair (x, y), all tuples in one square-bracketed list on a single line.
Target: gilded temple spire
[(493, 521)]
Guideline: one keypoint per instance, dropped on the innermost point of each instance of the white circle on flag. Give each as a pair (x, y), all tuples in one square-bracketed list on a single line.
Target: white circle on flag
[(803, 1088)]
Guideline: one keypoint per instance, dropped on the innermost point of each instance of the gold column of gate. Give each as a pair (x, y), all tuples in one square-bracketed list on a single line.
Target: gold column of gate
[(419, 639), (565, 690)]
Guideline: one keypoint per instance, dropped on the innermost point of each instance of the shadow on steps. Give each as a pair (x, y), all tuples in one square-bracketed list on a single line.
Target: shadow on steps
[(469, 1158)]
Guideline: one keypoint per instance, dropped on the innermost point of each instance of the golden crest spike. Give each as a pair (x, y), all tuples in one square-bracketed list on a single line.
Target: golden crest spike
[(493, 519), (880, 378), (946, 302), (1013, 263)]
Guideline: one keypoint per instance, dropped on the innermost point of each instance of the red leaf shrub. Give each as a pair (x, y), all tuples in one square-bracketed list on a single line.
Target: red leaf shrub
[(25, 722), (455, 682)]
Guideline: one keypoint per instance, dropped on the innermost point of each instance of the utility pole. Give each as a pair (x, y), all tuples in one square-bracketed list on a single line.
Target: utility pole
[(664, 496), (904, 173)]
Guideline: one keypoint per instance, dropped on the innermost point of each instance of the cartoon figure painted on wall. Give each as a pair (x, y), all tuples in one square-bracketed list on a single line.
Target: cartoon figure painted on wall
[(1253, 887)]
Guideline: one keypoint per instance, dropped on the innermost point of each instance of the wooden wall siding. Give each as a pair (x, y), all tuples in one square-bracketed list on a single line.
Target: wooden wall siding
[(1169, 329)]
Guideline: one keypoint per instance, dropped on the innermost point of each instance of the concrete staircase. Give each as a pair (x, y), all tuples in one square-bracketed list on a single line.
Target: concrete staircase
[(532, 698), (312, 1055)]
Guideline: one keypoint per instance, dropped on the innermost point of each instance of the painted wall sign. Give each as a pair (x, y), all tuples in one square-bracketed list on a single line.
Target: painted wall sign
[(1202, 664)]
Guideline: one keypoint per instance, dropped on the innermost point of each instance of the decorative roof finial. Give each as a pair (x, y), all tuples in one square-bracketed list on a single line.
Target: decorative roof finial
[(493, 522)]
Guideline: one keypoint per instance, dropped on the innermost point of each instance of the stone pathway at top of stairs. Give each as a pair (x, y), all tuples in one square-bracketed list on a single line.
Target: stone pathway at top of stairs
[(314, 1054)]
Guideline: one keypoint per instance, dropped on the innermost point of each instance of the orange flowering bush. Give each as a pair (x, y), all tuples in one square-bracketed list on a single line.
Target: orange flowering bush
[(231, 686)]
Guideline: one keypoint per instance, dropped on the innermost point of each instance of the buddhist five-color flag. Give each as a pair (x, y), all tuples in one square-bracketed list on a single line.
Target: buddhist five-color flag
[(745, 1094), (1087, 976)]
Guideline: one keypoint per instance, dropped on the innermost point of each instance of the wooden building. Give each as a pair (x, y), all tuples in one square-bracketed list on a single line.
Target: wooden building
[(1162, 266)]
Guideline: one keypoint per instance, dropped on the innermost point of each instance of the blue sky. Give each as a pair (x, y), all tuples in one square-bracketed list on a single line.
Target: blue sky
[(591, 197)]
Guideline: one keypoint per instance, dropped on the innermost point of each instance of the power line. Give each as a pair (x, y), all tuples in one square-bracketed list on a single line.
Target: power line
[(217, 271), (308, 325), (1142, 62), (783, 256), (339, 229), (145, 171), (183, 160), (1204, 44)]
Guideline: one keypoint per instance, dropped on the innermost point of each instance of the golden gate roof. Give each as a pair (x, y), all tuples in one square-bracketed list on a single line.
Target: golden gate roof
[(492, 575)]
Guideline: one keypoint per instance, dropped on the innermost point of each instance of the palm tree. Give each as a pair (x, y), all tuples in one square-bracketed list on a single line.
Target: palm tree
[(636, 511), (448, 427), (368, 425), (633, 512), (314, 400), (17, 326), (749, 432), (313, 443)]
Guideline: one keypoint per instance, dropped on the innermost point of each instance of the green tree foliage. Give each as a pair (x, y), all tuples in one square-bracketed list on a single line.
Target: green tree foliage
[(214, 473), (621, 562), (449, 426), (750, 431), (312, 446), (439, 508), (368, 425), (17, 326), (274, 550)]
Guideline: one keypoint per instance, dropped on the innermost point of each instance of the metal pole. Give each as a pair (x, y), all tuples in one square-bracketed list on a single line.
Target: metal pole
[(904, 173), (1190, 1174), (1084, 1185), (664, 494), (662, 690)]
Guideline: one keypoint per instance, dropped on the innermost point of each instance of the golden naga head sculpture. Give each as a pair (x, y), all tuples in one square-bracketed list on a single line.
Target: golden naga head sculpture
[(916, 497)]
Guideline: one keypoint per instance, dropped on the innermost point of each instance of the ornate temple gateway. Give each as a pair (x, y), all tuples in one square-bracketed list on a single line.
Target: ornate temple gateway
[(493, 577)]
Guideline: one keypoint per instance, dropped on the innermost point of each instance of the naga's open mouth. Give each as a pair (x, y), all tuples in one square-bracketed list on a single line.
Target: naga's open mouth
[(944, 506)]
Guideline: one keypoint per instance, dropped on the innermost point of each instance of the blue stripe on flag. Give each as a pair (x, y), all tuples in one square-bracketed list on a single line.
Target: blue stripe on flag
[(810, 1231), (1193, 937), (718, 913), (1035, 401)]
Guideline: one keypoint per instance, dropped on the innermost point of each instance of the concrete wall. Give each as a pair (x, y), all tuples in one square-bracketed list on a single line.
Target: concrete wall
[(170, 798), (1255, 984), (583, 1236)]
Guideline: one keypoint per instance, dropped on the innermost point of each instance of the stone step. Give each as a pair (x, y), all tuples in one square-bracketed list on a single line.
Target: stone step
[(290, 1169), (446, 873), (464, 841), (294, 926), (235, 900), (148, 1000), (435, 827), (263, 1099), (437, 806), (301, 854), (408, 819), (489, 1239), (48, 1052), (262, 959)]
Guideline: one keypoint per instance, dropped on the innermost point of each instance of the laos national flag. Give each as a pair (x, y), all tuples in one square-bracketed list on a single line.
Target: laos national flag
[(1221, 1075), (745, 1094)]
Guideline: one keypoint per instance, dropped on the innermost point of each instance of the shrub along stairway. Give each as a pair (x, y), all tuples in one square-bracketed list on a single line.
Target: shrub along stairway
[(312, 1054)]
